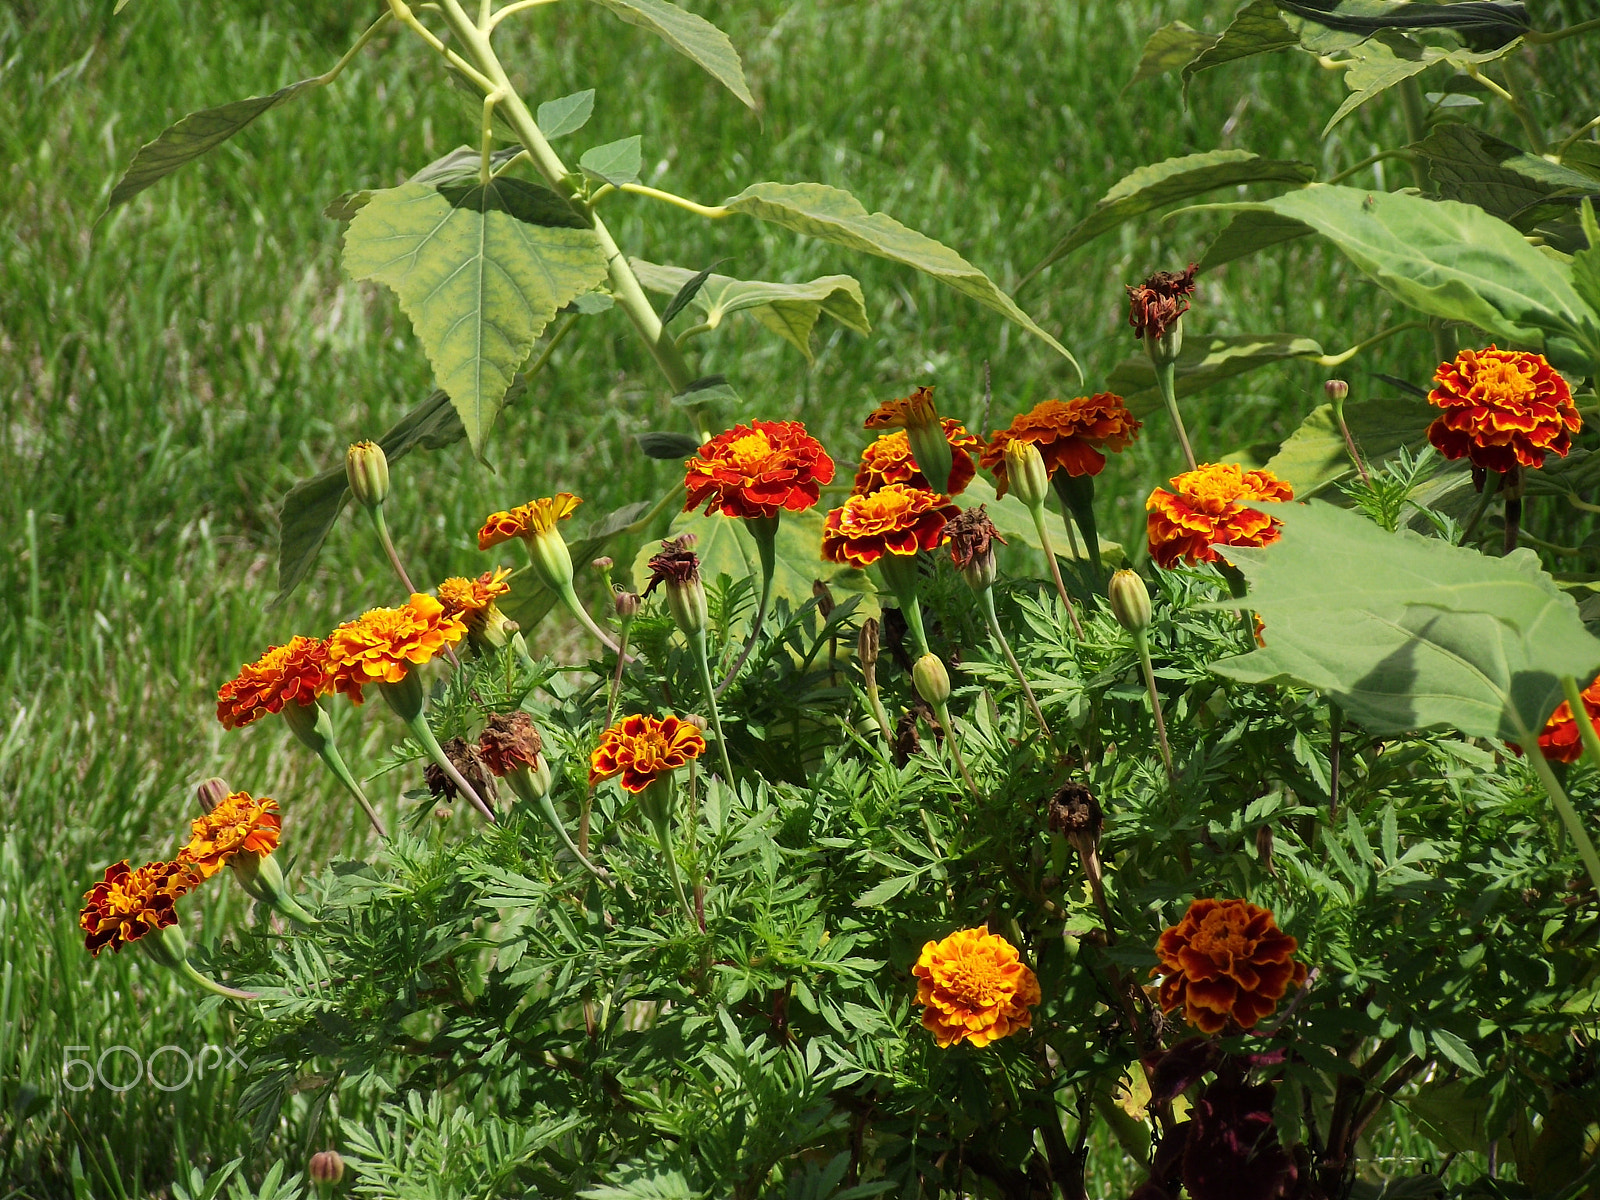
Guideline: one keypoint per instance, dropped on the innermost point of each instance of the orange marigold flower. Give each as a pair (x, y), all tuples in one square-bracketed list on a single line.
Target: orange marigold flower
[(1226, 960), (1502, 409), (238, 823), (915, 409), (895, 519), (1072, 435), (1206, 507), (758, 470), (536, 516), (1561, 739), (293, 673), (973, 988), (127, 903), (641, 749), (890, 460), (469, 598), (384, 643)]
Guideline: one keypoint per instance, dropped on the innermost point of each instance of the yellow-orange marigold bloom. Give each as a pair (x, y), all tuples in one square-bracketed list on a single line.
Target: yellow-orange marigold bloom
[(1561, 739), (973, 988), (293, 673), (1207, 507), (889, 460), (383, 644), (758, 470), (915, 409), (895, 519), (641, 749), (1503, 409), (128, 903), (470, 598), (1072, 435), (525, 520), (1227, 960), (238, 823)]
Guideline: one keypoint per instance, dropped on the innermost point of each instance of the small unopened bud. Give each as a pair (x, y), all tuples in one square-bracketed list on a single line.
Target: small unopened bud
[(1337, 390), (933, 682), (1130, 600), (697, 721), (1264, 848), (211, 793), (625, 603), (602, 564), (367, 468), (1026, 476), (443, 813), (867, 644), (824, 597), (325, 1167)]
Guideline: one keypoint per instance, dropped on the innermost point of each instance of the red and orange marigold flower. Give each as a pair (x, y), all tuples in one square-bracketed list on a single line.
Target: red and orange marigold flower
[(1208, 506), (1503, 409), (758, 470), (1226, 961), (889, 460), (526, 520), (641, 749), (293, 673), (1071, 435), (895, 519), (974, 988), (129, 903), (1561, 739), (238, 824), (383, 644), (469, 598), (915, 409)]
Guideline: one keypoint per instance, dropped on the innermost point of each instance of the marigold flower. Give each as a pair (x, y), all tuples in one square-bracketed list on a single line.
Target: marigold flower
[(469, 598), (889, 460), (1155, 304), (758, 470), (383, 644), (908, 411), (239, 823), (127, 903), (293, 673), (895, 519), (1561, 739), (642, 748), (973, 988), (1502, 409), (1227, 960), (1206, 507), (534, 517), (509, 742), (1072, 435)]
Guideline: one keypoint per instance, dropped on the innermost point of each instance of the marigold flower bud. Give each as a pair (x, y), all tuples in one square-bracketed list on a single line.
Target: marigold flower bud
[(602, 564), (698, 722), (367, 468), (325, 1167), (626, 604), (1336, 390), (1026, 473), (1130, 600), (933, 682), (824, 597), (211, 793), (867, 643)]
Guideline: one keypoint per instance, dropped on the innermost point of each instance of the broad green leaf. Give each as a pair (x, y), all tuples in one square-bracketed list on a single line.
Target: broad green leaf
[(615, 163), (1379, 63), (692, 36), (1171, 180), (557, 118), (1482, 24), (834, 215), (480, 271), (1586, 262), (1170, 47), (788, 309), (1257, 28), (461, 165), (1408, 632), (1454, 261), (1314, 455), (1457, 1051), (195, 135), (1205, 362), (1584, 157), (1470, 165), (1249, 232)]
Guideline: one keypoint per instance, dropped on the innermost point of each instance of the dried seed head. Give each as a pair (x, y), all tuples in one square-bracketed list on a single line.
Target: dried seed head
[(867, 644), (1156, 305), (825, 603), (509, 742), (1075, 811), (469, 762)]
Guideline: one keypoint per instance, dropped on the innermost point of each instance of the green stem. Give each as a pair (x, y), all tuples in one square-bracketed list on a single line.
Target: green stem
[(186, 969), (1055, 567), (1368, 161), (312, 725), (662, 823), (575, 607), (1238, 589), (766, 538), (1344, 356), (1350, 442), (545, 806), (712, 212), (1491, 485), (942, 713), (382, 527), (986, 598), (1557, 35), (1142, 643), (698, 643), (1569, 816), (616, 679), (367, 35), (424, 733), (1166, 380), (1413, 106)]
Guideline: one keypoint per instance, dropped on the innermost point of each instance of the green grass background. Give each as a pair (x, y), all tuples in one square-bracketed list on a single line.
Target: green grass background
[(168, 372)]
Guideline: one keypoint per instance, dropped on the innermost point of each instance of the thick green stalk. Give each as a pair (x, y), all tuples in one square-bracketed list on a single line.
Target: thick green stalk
[(1166, 380), (312, 725), (703, 660), (1055, 568), (986, 599), (1142, 644)]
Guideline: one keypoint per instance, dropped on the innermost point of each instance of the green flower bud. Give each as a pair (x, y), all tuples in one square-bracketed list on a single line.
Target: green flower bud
[(326, 1167), (552, 562), (1130, 601), (933, 682), (1026, 475), (687, 604), (1336, 390), (367, 468)]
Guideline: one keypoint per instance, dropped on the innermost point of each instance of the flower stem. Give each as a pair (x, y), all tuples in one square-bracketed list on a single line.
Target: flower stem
[(382, 527), (316, 732), (186, 969), (1491, 485), (942, 712), (986, 598), (1350, 442), (1142, 642), (545, 806), (1055, 568), (575, 607), (1513, 523), (423, 733), (1569, 816), (616, 678), (767, 548), (1238, 589), (661, 822), (698, 643), (1166, 380)]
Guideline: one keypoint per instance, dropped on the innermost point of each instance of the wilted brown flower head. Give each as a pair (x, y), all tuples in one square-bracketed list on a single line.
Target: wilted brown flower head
[(469, 762), (1159, 301), (824, 598), (972, 535), (509, 742), (676, 563), (1074, 810)]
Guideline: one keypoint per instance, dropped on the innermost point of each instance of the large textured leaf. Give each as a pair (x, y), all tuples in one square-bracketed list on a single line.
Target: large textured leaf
[(1408, 632), (1170, 47), (1171, 180), (1314, 455), (1249, 232), (788, 309), (1586, 262), (480, 271), (1257, 28), (1454, 261), (1205, 362), (195, 135), (834, 215), (1483, 24), (1472, 166), (1378, 64), (690, 35)]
